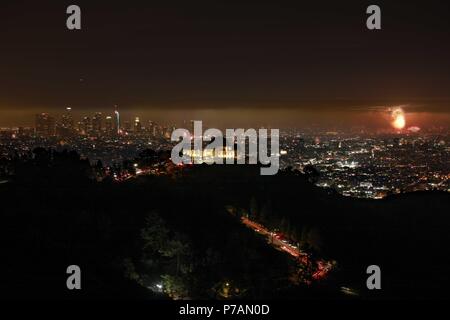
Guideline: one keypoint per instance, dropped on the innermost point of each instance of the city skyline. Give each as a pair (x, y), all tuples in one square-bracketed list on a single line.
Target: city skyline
[(378, 118)]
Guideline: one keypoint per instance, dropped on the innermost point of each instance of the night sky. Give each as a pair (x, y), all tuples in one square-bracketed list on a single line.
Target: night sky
[(219, 59)]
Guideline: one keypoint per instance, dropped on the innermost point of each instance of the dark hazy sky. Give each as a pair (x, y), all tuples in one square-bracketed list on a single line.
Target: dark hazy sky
[(171, 56)]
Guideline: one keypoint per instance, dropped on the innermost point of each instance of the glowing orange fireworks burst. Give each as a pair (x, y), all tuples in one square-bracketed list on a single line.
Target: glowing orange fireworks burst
[(398, 118)]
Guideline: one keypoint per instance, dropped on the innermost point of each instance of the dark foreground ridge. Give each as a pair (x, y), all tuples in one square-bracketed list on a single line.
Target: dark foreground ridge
[(180, 235)]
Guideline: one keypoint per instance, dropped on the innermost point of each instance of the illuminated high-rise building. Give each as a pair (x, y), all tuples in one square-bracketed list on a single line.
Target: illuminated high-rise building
[(109, 126), (45, 125), (116, 121), (151, 128), (67, 119), (137, 125), (86, 125), (97, 122), (66, 128)]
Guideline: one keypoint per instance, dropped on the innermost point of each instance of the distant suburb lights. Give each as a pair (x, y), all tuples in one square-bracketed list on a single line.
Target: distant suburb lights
[(73, 22)]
